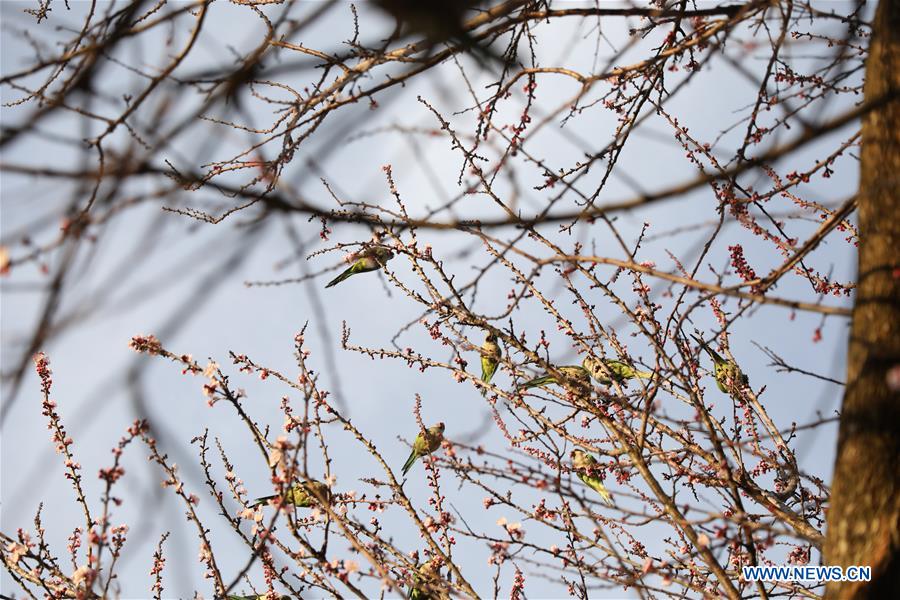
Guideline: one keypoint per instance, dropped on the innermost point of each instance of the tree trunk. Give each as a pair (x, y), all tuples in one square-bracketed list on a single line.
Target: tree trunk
[(864, 517)]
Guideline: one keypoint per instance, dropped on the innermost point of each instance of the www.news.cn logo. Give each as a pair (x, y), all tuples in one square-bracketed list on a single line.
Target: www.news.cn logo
[(796, 573)]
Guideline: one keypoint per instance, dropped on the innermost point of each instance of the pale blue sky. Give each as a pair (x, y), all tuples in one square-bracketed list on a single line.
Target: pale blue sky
[(91, 360)]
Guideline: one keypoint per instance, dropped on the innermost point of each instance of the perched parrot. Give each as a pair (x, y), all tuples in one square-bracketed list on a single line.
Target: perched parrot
[(619, 371), (584, 463), (299, 494), (579, 374), (726, 372), (426, 585), (424, 445), (490, 359), (370, 259)]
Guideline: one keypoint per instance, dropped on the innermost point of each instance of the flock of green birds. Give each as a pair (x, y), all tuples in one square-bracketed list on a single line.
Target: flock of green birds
[(308, 493)]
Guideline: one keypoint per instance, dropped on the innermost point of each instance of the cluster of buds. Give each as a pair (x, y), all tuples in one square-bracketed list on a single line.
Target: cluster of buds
[(145, 344)]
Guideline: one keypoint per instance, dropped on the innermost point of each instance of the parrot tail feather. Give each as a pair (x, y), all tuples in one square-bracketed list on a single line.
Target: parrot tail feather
[(261, 501), (539, 381), (605, 496), (598, 487), (485, 379), (409, 463), (340, 278)]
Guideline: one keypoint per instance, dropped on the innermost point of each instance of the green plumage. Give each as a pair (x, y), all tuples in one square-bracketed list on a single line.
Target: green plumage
[(370, 259), (427, 583), (424, 445), (727, 373), (584, 464), (490, 359), (571, 372), (301, 495), (616, 370)]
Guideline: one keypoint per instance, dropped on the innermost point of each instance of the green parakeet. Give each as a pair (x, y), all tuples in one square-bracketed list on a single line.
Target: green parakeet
[(584, 464), (726, 372), (579, 374), (370, 259), (490, 359), (426, 585), (301, 495), (618, 370), (424, 445)]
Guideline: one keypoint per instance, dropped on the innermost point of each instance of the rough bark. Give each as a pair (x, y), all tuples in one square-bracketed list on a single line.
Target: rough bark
[(864, 517)]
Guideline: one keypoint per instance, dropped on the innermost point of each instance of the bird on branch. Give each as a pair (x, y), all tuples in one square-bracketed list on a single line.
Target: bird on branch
[(370, 259), (490, 359), (305, 494), (584, 465), (424, 445), (426, 584), (728, 374), (616, 370)]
